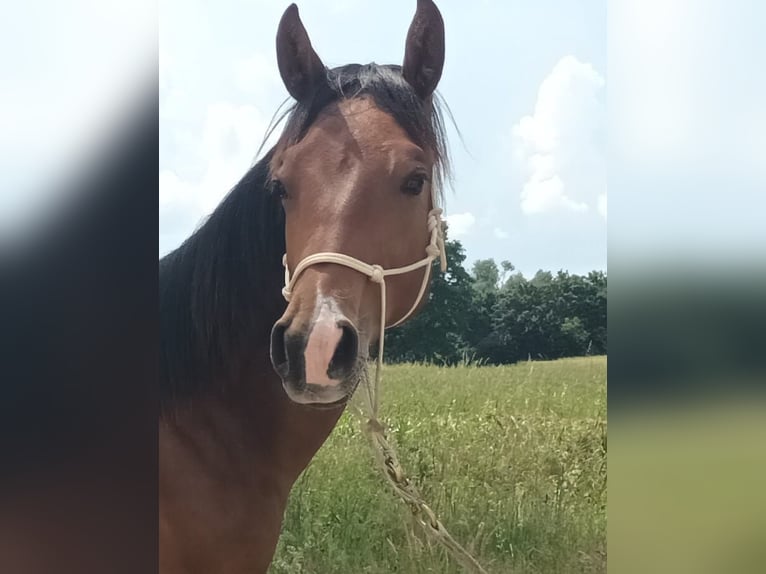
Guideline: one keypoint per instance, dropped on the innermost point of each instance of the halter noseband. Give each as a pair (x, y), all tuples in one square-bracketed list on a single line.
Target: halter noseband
[(377, 274)]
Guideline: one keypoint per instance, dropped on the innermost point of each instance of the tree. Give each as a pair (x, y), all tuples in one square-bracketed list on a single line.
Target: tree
[(574, 337), (503, 317), (542, 278), (486, 276)]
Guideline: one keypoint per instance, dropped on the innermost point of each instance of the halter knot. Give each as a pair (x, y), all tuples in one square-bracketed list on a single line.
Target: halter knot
[(434, 218), (433, 250), (376, 274)]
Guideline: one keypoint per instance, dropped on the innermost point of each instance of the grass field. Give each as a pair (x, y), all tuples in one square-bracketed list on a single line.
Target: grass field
[(512, 459)]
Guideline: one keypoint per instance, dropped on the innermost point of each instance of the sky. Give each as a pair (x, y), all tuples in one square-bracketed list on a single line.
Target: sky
[(525, 81)]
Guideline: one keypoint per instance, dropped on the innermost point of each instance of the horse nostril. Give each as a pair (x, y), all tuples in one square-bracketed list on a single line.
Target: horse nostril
[(346, 353), (278, 350)]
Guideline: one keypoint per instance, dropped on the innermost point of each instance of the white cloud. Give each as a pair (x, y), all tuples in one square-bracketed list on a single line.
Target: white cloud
[(558, 145), (460, 223), (500, 233), (540, 195), (226, 150)]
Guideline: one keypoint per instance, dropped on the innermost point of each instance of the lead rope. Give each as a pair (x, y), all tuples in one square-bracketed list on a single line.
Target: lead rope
[(372, 426)]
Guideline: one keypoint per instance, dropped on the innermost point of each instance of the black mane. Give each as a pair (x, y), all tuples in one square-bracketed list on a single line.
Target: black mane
[(220, 290)]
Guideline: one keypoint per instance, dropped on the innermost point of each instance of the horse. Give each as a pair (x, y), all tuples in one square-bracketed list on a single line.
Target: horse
[(337, 210)]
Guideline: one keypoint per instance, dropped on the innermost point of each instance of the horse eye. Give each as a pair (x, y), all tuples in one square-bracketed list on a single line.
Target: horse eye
[(277, 189), (414, 184)]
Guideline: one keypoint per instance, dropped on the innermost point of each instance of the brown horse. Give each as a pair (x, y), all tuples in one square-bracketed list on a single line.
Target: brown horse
[(252, 387)]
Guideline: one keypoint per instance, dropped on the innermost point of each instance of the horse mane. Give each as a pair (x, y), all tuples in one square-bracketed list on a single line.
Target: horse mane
[(220, 290)]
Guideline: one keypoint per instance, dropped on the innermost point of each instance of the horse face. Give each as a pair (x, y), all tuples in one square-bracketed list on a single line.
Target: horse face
[(357, 184)]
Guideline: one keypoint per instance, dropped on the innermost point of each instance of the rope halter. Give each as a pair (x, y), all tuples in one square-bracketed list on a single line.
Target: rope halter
[(378, 274)]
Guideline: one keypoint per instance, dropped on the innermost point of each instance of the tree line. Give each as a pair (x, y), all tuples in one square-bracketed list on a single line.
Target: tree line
[(495, 315)]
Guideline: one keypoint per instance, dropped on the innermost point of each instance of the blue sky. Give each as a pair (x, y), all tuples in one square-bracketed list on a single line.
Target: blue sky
[(526, 82)]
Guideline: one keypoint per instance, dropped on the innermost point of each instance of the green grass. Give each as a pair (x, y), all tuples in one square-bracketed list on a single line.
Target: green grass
[(512, 459)]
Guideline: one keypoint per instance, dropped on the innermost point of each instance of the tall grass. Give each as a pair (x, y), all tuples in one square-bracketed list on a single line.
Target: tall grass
[(512, 459)]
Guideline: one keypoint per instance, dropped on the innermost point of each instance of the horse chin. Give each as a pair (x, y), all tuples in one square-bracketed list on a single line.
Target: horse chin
[(327, 397), (321, 397)]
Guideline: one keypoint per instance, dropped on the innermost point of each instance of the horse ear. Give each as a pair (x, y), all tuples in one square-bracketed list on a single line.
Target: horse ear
[(300, 67), (424, 53)]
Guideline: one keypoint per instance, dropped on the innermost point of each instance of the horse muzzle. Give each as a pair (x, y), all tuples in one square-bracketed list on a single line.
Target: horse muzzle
[(318, 362)]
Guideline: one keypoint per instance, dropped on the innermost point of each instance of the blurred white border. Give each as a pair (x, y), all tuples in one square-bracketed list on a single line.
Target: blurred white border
[(687, 129), (71, 68)]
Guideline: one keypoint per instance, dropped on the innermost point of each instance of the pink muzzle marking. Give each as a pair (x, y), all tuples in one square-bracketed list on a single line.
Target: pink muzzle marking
[(320, 348)]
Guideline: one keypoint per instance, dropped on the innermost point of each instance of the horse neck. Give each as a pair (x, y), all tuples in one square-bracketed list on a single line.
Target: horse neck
[(228, 461), (254, 424), (287, 435), (229, 456)]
